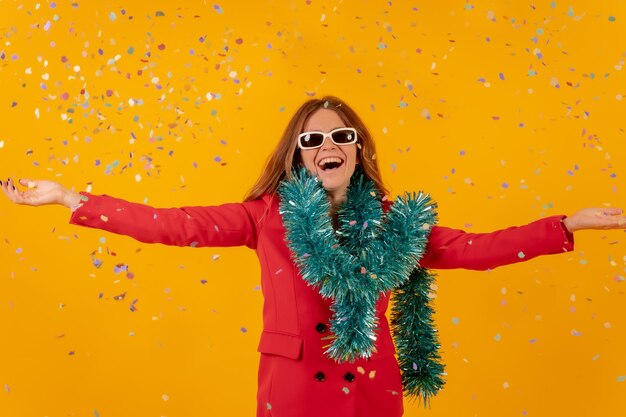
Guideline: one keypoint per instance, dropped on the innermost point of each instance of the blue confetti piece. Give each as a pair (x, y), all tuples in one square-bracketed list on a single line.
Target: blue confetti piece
[(112, 17), (621, 378), (218, 9)]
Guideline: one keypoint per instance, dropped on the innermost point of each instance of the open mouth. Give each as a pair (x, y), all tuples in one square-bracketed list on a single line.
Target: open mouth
[(327, 164)]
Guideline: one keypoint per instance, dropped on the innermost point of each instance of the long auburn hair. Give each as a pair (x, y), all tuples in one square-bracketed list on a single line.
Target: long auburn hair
[(286, 156)]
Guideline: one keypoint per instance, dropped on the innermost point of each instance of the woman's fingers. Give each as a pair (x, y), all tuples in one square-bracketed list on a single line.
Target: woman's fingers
[(3, 186), (20, 197), (11, 191), (605, 218), (28, 182), (612, 211)]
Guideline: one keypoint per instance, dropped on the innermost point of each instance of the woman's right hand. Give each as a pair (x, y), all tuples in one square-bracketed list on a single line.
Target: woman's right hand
[(39, 193)]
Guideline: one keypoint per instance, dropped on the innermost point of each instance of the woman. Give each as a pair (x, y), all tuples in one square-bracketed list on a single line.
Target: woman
[(299, 373)]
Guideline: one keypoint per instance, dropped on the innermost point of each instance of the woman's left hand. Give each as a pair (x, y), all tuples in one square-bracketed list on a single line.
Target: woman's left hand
[(596, 218)]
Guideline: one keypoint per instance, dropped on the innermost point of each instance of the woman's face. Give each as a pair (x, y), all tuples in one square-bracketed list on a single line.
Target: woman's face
[(332, 164)]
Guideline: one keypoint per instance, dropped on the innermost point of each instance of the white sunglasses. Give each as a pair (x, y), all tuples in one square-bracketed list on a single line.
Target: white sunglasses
[(341, 136)]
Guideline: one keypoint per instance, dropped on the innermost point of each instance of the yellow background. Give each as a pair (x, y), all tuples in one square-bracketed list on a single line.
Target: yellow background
[(504, 111)]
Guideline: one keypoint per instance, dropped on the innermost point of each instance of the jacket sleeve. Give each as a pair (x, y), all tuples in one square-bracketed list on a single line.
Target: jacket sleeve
[(233, 224), (451, 248)]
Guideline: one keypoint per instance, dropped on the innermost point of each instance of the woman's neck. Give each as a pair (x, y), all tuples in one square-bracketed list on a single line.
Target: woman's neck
[(336, 200)]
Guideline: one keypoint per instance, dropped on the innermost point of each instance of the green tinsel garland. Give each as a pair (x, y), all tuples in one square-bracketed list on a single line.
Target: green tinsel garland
[(371, 253)]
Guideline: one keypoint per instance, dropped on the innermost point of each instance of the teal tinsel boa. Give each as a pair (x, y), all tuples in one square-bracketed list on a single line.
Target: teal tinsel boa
[(370, 253)]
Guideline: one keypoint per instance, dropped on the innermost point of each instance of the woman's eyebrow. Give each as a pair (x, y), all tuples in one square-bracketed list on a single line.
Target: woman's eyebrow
[(334, 128)]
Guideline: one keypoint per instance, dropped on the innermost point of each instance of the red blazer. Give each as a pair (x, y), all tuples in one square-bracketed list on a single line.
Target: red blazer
[(295, 378)]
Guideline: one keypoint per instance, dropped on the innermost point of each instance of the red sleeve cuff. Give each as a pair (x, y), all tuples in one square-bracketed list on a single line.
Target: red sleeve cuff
[(569, 236)]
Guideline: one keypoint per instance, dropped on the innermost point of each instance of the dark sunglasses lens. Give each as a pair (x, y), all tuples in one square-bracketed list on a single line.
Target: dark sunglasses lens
[(343, 136), (311, 140)]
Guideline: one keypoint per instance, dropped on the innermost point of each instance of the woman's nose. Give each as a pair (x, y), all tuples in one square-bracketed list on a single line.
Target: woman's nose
[(328, 143)]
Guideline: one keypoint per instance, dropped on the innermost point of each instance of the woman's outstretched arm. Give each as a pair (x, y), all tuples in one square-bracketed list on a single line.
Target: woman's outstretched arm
[(452, 248), (234, 224)]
